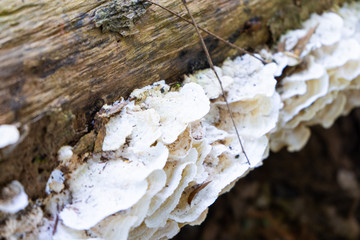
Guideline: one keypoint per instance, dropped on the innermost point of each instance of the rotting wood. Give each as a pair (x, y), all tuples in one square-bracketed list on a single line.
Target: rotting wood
[(57, 68)]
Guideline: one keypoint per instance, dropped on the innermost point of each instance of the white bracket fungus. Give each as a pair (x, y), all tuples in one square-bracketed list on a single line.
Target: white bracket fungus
[(9, 134), (168, 154), (326, 87), (13, 198)]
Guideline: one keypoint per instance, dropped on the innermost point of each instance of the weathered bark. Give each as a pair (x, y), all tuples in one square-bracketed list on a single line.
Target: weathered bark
[(57, 68)]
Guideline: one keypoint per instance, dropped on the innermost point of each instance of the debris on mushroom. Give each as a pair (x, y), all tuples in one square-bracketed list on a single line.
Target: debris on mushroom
[(55, 182), (27, 224)]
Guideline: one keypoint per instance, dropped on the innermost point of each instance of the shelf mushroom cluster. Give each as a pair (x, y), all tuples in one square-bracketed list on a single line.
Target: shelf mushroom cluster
[(163, 156), (325, 83)]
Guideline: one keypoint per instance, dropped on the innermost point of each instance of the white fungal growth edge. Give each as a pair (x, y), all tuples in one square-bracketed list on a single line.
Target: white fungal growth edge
[(13, 198), (9, 134), (168, 154)]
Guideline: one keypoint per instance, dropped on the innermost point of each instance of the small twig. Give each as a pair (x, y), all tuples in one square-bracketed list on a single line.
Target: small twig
[(301, 44), (197, 189), (55, 224), (208, 32), (217, 76)]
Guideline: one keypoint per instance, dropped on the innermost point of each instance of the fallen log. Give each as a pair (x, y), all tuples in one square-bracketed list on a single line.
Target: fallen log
[(60, 62)]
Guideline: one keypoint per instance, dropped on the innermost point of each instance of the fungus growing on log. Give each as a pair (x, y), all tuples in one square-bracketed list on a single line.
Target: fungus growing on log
[(168, 153), (10, 135), (13, 198)]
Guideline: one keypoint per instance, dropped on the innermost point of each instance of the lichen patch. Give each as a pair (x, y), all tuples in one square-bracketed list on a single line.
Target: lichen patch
[(120, 16)]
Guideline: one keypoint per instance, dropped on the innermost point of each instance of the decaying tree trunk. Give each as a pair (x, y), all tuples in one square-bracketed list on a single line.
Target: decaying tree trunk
[(60, 61)]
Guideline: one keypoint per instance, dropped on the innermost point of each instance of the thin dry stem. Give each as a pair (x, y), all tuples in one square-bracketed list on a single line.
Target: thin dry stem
[(218, 78)]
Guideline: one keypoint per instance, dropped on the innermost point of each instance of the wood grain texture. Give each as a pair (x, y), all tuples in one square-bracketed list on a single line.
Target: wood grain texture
[(57, 68)]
